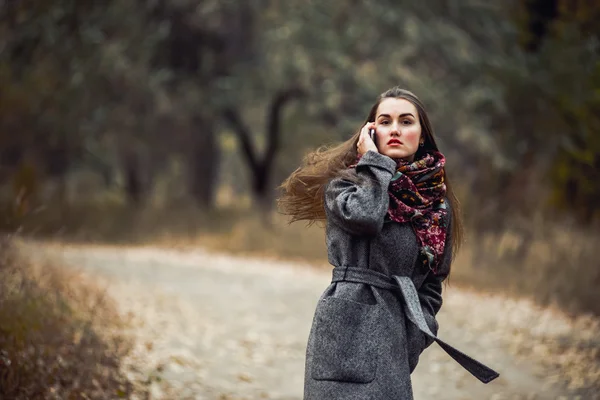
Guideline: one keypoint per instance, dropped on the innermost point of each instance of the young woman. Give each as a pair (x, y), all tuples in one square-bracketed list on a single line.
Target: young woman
[(392, 228)]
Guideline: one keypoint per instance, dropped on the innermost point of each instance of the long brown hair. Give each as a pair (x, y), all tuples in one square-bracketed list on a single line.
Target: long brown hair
[(302, 192)]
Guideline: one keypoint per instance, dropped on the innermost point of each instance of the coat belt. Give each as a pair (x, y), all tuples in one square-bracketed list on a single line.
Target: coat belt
[(414, 313)]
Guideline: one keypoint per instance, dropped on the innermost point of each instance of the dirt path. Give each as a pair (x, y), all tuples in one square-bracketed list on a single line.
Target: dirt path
[(219, 327)]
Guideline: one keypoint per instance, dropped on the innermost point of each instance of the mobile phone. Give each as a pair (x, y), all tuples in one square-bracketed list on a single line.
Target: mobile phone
[(373, 136)]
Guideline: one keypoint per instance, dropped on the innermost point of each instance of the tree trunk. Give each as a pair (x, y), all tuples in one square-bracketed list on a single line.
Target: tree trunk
[(263, 195), (203, 163), (262, 168), (134, 185)]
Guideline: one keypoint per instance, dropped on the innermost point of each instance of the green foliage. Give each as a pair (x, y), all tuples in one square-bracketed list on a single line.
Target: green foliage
[(576, 172), (552, 96), (142, 84)]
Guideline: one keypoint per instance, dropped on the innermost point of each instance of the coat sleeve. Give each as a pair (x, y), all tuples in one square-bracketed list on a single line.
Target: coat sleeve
[(430, 292), (360, 208)]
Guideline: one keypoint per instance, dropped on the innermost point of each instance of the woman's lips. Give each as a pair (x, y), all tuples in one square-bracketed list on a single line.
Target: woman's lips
[(394, 142)]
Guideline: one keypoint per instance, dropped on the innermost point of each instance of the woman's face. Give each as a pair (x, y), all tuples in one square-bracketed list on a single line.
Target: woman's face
[(398, 129)]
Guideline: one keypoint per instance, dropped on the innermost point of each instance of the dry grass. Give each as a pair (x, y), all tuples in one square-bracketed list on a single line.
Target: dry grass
[(553, 265), (57, 336), (239, 231)]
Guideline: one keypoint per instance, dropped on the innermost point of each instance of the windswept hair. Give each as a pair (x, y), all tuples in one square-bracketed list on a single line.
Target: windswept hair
[(302, 195)]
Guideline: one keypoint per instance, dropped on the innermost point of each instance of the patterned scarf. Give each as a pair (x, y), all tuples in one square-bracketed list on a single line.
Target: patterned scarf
[(417, 193)]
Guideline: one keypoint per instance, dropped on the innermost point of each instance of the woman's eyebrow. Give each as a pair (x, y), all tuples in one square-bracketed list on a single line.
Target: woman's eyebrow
[(400, 116)]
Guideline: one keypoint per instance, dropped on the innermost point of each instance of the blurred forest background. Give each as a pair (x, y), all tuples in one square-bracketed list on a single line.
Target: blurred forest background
[(175, 121)]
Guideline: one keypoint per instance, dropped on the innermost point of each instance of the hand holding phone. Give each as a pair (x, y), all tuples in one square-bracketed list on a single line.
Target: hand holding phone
[(373, 136), (363, 145)]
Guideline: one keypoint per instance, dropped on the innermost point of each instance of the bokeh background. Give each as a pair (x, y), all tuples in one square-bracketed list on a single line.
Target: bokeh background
[(174, 121)]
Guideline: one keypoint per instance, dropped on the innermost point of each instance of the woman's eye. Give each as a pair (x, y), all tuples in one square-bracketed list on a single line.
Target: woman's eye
[(385, 122), (406, 122)]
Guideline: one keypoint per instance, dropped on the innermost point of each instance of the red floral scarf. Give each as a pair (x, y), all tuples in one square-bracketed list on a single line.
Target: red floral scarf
[(417, 193)]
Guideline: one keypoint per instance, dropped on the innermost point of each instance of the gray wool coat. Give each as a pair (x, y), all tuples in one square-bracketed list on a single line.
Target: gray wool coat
[(378, 314)]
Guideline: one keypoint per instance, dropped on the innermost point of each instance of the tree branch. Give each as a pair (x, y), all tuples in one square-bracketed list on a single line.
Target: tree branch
[(244, 135), (274, 124)]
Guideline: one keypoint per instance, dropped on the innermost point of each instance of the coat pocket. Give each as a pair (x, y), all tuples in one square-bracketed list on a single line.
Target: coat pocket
[(345, 347)]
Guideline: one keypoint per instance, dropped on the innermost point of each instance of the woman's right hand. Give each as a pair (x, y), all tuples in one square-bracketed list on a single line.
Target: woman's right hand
[(365, 143)]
